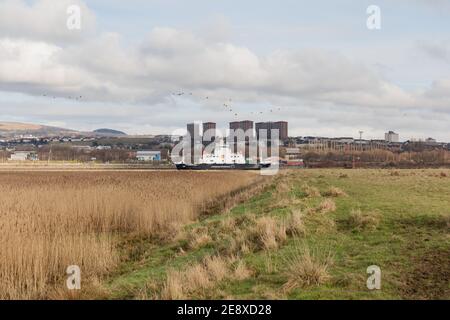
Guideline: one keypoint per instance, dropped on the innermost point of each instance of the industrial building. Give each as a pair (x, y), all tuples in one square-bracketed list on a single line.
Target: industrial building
[(148, 155), (391, 136), (292, 153), (24, 156)]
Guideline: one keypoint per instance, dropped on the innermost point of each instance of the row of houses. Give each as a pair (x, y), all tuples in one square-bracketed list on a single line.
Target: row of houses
[(143, 155)]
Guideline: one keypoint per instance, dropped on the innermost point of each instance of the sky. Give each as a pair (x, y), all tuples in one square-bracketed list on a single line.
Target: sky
[(312, 63)]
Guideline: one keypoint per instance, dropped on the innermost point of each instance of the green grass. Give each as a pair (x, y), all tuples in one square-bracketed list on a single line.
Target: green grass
[(411, 243)]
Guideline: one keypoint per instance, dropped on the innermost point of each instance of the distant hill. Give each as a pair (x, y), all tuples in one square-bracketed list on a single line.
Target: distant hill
[(11, 129), (109, 132), (15, 128)]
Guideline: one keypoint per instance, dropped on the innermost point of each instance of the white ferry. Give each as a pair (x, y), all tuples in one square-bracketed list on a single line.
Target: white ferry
[(222, 159)]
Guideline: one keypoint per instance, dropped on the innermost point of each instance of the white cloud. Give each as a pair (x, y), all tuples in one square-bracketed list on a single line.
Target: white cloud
[(44, 20), (38, 55)]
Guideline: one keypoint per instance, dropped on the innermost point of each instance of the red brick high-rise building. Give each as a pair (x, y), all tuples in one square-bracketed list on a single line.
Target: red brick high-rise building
[(209, 127), (247, 127), (281, 126)]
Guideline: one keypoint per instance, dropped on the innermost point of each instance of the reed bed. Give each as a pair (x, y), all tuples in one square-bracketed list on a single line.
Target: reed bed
[(50, 220)]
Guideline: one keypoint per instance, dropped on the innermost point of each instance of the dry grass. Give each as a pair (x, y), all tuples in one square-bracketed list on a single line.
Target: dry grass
[(196, 278), (335, 192), (311, 192), (199, 238), (446, 219), (228, 224), (283, 187), (241, 272), (363, 220), (306, 268), (202, 277), (267, 233), (173, 287), (395, 174), (294, 223), (49, 221), (327, 205), (217, 267)]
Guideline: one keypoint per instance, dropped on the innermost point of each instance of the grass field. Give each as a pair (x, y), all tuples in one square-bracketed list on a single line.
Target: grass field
[(304, 234), (311, 234)]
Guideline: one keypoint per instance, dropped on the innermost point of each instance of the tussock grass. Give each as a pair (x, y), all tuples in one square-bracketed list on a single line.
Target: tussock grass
[(311, 192), (199, 238), (306, 268), (283, 187), (202, 277), (217, 267), (241, 271), (335, 192), (267, 233), (364, 220), (196, 278), (228, 224), (326, 206), (294, 223), (173, 287)]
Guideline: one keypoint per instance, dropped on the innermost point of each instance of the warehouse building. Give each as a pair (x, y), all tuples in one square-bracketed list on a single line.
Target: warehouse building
[(148, 155), (24, 156)]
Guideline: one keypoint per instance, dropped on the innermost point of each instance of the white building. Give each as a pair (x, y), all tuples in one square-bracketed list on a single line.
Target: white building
[(391, 136), (293, 153), (24, 156), (148, 155)]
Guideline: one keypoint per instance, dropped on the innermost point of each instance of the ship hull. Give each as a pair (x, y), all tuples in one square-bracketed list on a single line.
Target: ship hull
[(236, 166)]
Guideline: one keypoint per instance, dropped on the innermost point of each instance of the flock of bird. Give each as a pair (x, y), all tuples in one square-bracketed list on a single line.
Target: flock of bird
[(227, 105), (69, 97)]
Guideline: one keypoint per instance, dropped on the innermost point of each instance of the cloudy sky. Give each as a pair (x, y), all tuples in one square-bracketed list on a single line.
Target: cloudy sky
[(316, 65)]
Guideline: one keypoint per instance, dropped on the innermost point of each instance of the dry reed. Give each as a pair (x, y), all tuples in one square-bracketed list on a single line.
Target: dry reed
[(50, 220)]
